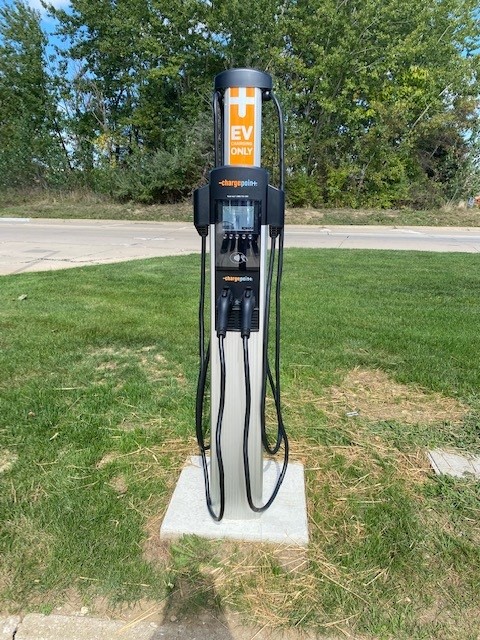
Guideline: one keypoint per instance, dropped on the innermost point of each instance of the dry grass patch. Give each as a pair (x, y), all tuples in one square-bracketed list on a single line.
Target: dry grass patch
[(347, 485), (277, 587), (165, 459), (155, 550), (375, 396), (309, 215), (365, 449), (154, 364), (272, 586)]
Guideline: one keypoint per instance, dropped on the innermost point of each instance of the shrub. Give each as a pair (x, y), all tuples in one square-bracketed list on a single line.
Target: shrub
[(303, 190)]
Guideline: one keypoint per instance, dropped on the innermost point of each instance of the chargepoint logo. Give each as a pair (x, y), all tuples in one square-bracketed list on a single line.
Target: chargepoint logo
[(237, 279), (238, 183)]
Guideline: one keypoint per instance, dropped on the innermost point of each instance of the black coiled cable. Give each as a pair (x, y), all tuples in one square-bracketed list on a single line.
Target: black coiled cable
[(274, 384), (246, 429), (202, 378)]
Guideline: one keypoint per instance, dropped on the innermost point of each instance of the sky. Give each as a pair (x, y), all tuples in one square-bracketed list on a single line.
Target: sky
[(59, 4), (48, 24)]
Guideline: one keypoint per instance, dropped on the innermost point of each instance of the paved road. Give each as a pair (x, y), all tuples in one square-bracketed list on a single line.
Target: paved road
[(43, 245)]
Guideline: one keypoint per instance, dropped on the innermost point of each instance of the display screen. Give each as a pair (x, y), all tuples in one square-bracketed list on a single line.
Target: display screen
[(238, 216)]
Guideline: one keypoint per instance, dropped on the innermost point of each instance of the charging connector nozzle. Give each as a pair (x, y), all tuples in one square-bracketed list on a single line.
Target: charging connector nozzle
[(247, 307), (224, 307)]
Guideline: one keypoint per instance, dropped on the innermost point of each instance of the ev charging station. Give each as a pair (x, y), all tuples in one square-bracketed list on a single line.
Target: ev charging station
[(242, 216)]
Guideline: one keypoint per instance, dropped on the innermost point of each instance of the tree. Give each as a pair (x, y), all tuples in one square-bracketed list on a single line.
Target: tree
[(139, 94), (379, 95), (140, 64), (369, 79), (29, 146)]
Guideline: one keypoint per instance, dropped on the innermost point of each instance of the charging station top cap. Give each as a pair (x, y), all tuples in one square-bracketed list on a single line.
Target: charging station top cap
[(243, 78)]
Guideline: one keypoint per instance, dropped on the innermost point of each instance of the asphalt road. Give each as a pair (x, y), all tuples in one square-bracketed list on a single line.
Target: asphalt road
[(43, 245)]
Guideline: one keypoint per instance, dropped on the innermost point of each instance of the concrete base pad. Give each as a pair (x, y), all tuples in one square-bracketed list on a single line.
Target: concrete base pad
[(202, 626), (454, 463), (285, 522), (36, 626)]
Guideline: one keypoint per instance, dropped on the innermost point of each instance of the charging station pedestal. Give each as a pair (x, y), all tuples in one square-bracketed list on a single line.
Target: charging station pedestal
[(243, 217)]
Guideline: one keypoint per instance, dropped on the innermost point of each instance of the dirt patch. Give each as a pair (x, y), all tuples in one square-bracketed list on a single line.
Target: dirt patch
[(107, 459), (72, 603), (372, 394), (7, 460), (155, 550), (119, 484), (454, 624)]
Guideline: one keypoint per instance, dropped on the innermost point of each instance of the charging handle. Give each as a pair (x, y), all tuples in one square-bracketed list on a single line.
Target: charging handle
[(247, 307), (224, 306)]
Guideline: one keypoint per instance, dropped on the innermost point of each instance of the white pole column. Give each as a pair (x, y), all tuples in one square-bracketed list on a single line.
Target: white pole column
[(242, 147)]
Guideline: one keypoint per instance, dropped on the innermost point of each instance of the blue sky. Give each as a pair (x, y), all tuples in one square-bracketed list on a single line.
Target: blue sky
[(60, 4), (48, 24)]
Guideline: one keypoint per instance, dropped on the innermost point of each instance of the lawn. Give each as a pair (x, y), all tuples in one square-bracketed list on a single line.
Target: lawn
[(379, 363)]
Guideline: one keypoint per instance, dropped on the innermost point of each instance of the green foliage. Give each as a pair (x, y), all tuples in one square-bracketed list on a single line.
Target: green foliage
[(28, 148), (148, 176), (303, 190), (376, 87), (380, 96), (159, 175)]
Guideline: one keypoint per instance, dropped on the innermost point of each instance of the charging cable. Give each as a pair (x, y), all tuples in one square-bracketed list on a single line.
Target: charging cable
[(247, 306), (224, 307)]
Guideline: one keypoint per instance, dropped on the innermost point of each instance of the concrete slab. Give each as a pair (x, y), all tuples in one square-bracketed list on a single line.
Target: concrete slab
[(453, 463), (37, 626), (285, 522), (205, 626), (8, 627)]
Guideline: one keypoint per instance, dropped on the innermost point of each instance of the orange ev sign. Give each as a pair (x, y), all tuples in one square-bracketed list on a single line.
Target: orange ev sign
[(242, 126)]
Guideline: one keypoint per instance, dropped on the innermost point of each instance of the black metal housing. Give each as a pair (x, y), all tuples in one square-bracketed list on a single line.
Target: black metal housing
[(243, 78), (231, 182), (235, 183)]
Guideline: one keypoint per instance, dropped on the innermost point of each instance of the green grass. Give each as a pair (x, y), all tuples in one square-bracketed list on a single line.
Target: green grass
[(99, 370), (87, 205)]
